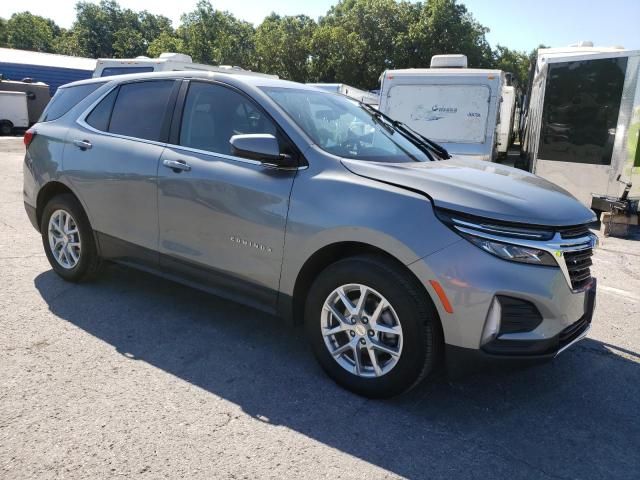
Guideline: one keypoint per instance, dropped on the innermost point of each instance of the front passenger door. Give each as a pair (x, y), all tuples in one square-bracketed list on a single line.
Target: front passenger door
[(222, 217)]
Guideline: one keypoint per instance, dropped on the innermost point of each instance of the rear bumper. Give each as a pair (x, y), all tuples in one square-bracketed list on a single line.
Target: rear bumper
[(462, 361), (31, 213)]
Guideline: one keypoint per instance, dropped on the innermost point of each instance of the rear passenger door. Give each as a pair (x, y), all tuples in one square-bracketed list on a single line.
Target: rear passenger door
[(222, 217), (111, 158)]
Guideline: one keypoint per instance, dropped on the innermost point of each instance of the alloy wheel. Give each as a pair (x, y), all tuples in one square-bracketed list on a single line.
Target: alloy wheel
[(361, 330), (64, 239)]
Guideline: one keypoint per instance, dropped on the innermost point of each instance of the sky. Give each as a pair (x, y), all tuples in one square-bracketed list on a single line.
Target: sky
[(517, 24)]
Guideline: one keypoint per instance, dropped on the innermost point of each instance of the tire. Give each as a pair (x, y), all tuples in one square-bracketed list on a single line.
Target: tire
[(6, 127), (87, 261), (419, 345)]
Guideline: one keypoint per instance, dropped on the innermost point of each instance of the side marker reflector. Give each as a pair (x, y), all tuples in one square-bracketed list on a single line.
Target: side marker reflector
[(442, 296)]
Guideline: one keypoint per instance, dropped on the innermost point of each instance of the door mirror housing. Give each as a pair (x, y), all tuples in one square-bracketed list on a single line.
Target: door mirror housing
[(262, 147)]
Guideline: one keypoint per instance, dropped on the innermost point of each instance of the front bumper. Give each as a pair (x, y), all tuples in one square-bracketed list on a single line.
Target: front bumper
[(472, 280), (462, 361)]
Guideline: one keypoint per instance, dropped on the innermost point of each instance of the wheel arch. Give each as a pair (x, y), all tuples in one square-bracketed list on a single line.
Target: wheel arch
[(292, 308), (47, 192)]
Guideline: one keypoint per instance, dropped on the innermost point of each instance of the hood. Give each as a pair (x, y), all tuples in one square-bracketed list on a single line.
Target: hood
[(483, 189)]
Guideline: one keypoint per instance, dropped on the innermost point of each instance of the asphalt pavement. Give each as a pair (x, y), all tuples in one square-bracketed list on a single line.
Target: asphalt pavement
[(132, 376)]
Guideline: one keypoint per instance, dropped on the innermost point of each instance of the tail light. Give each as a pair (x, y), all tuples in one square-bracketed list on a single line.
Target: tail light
[(28, 137)]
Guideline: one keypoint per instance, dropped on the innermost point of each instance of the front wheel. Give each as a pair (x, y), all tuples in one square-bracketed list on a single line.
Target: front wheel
[(68, 240), (371, 326)]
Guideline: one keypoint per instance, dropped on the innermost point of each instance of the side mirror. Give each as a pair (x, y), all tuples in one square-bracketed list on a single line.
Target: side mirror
[(262, 147)]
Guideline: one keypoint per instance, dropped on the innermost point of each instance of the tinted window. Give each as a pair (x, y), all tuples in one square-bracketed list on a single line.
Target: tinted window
[(101, 114), (213, 114), (124, 70), (140, 109), (65, 99), (580, 112)]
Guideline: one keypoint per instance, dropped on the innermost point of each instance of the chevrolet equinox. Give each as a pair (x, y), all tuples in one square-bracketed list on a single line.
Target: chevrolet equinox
[(396, 257)]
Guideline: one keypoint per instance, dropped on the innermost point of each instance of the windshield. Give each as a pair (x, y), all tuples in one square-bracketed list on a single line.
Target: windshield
[(342, 127)]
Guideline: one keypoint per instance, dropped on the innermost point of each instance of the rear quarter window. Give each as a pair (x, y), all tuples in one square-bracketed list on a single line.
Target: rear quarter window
[(66, 98)]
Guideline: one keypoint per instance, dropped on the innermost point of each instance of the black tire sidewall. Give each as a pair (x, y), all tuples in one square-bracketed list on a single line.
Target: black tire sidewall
[(6, 128), (88, 254), (415, 318)]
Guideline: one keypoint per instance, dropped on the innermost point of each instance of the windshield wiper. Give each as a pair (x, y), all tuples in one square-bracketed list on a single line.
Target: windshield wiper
[(410, 132)]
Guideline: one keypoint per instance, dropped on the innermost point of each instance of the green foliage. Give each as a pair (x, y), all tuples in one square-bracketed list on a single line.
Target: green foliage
[(445, 26), (283, 46), (165, 42), (515, 62), (359, 39), (215, 37), (3, 32), (30, 32), (106, 30)]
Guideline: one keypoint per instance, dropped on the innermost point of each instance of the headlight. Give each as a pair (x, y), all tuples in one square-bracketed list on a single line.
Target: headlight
[(494, 237), (515, 253)]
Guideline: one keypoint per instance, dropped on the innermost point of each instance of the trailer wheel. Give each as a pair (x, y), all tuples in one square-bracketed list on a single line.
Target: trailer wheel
[(6, 127)]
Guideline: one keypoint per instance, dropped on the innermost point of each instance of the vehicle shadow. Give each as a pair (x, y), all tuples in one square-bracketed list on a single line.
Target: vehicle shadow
[(576, 417)]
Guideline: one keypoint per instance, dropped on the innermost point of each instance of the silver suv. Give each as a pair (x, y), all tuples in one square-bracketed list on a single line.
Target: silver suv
[(309, 205)]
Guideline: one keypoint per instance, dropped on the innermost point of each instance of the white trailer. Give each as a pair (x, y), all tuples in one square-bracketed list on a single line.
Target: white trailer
[(505, 123), (581, 123), (165, 62), (14, 114), (349, 91), (448, 103)]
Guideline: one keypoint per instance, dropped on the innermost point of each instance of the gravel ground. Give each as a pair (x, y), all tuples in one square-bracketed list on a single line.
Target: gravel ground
[(135, 376)]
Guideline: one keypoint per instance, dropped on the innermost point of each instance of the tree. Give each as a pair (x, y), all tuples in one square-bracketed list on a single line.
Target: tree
[(358, 39), (215, 37), (3, 32), (95, 26), (128, 43), (106, 30), (66, 43), (30, 32), (283, 46), (166, 42), (515, 62), (444, 26)]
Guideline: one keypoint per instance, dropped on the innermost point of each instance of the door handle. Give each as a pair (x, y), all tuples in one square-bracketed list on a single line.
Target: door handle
[(82, 144), (177, 165)]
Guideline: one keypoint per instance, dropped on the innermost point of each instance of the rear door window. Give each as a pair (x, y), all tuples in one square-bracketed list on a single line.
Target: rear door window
[(140, 108), (66, 98)]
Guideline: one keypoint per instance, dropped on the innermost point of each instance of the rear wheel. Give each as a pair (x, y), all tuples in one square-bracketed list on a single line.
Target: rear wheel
[(371, 326), (68, 240)]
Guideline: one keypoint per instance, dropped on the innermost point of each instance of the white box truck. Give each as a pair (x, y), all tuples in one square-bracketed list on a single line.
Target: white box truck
[(448, 103), (14, 114), (349, 91), (582, 119), (166, 62)]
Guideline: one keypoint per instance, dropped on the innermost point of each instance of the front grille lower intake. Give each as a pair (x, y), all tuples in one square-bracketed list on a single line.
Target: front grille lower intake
[(578, 263)]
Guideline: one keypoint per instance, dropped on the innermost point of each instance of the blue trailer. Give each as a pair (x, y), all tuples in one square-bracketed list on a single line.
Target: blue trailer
[(54, 70)]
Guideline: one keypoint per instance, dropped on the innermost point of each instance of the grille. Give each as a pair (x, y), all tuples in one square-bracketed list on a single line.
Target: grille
[(578, 264), (574, 232)]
